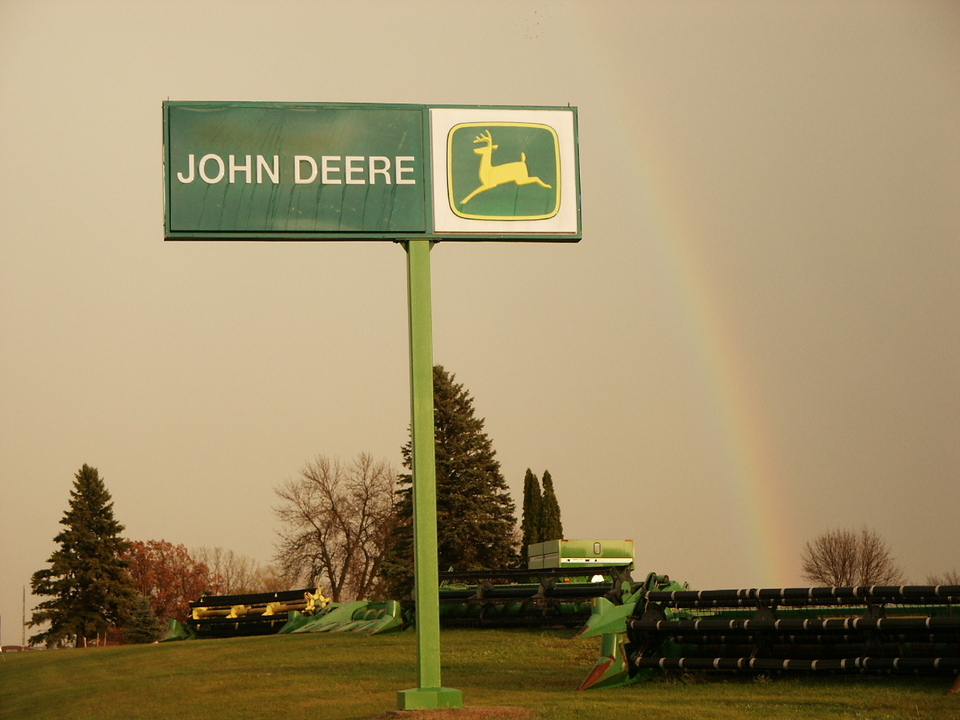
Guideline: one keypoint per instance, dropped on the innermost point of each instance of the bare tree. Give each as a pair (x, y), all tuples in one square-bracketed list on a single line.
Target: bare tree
[(235, 574), (951, 577), (849, 558), (336, 521)]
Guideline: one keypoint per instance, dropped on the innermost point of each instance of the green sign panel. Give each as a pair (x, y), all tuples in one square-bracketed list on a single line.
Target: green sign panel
[(316, 171), (271, 170)]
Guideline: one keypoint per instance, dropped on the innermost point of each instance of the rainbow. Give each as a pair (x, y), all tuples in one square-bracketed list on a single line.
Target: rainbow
[(733, 408), (747, 450)]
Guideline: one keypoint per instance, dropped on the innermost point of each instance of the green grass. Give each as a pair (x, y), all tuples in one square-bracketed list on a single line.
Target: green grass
[(346, 677)]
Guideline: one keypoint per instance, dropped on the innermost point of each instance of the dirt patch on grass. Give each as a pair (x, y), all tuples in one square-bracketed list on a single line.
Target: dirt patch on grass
[(493, 712)]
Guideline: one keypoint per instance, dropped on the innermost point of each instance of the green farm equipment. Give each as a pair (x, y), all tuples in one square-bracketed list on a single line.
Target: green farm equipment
[(557, 589), (896, 629), (240, 615), (292, 611), (579, 555), (645, 627), (360, 616), (548, 597)]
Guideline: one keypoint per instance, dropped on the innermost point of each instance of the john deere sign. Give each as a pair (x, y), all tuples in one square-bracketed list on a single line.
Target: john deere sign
[(506, 197), (279, 171)]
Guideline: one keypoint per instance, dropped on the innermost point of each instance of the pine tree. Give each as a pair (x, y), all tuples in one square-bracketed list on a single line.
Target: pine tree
[(531, 523), (143, 626), (475, 517), (88, 581), (550, 525)]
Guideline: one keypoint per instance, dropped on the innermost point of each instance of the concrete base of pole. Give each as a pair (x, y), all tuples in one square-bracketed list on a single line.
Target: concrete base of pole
[(429, 699)]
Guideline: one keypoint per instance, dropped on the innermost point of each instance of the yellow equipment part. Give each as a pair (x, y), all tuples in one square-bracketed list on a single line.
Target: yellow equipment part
[(315, 601), (311, 602), (202, 613), (238, 611)]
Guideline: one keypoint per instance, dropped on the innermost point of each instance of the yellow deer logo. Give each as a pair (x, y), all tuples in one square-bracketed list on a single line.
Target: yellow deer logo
[(493, 175)]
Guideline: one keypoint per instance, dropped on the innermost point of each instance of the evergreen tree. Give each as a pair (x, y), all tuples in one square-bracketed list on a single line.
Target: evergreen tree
[(550, 525), (88, 581), (143, 626), (531, 523), (475, 519)]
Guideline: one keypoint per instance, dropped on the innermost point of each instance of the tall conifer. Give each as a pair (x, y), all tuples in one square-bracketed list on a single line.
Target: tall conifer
[(550, 524), (531, 523), (87, 580), (475, 519)]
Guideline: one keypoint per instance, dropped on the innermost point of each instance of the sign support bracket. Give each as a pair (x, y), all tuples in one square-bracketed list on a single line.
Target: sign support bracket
[(429, 694)]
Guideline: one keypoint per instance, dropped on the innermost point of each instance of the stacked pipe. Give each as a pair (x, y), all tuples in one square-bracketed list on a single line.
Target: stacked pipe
[(841, 629)]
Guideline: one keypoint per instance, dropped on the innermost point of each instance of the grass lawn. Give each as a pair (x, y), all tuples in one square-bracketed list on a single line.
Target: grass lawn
[(349, 677)]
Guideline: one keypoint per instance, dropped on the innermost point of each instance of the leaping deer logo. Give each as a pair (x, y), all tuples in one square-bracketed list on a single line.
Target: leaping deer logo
[(493, 175)]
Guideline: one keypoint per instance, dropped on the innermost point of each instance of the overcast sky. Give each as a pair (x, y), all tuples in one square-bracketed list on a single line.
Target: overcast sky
[(756, 340)]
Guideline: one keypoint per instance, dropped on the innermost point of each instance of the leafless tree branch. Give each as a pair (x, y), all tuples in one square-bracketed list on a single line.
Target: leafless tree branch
[(951, 577), (335, 523), (846, 558)]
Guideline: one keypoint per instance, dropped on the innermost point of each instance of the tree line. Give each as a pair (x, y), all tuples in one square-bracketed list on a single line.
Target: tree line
[(101, 585), (345, 527), (348, 528)]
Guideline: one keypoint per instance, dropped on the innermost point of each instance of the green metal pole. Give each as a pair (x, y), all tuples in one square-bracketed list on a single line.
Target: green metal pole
[(429, 695)]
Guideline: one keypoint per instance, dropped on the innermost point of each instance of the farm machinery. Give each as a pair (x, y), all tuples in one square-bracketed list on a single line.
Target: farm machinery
[(556, 590), (645, 627), (292, 611), (877, 629), (215, 616)]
